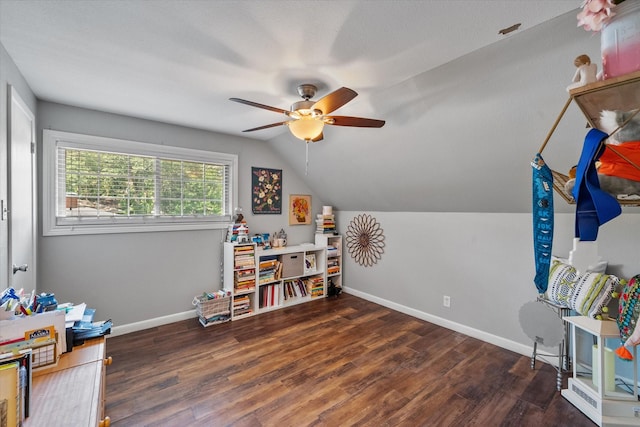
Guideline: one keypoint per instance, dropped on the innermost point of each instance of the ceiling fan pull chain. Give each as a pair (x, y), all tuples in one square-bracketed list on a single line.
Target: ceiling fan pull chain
[(306, 164)]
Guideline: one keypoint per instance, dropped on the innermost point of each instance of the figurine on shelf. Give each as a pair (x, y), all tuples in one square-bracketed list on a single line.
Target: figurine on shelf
[(585, 74)]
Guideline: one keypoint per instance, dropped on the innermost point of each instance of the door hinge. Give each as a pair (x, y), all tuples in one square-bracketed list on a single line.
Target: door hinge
[(3, 210), (33, 148)]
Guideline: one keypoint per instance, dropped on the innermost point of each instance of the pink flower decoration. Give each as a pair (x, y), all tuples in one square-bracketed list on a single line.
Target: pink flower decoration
[(595, 13)]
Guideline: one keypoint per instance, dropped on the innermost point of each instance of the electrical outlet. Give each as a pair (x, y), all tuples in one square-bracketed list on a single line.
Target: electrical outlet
[(446, 301)]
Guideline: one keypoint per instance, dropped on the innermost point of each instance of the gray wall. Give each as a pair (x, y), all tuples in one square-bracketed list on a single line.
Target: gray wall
[(134, 277), (483, 261), (9, 75), (458, 138)]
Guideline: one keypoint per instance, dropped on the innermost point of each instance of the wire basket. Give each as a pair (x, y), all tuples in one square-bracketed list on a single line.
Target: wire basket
[(213, 311)]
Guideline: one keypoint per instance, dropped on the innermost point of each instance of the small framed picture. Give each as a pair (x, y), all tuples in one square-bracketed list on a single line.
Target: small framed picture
[(299, 209), (266, 191)]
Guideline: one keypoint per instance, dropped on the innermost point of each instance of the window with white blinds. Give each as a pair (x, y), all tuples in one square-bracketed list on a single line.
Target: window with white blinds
[(105, 185)]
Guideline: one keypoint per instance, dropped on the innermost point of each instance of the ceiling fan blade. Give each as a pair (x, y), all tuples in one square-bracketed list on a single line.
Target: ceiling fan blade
[(318, 138), (354, 121), (272, 125), (334, 100), (255, 104)]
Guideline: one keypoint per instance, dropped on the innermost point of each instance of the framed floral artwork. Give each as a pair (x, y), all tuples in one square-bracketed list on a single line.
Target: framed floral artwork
[(299, 209), (266, 191)]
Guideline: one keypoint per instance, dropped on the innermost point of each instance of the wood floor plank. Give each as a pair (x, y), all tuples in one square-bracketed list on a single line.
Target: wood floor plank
[(331, 362)]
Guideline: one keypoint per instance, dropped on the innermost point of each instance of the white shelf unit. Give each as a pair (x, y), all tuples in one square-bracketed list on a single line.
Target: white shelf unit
[(240, 278), (281, 278), (595, 387), (333, 244)]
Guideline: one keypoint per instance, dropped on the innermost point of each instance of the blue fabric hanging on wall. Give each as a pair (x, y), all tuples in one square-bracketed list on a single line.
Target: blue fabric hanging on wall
[(542, 179), (594, 206)]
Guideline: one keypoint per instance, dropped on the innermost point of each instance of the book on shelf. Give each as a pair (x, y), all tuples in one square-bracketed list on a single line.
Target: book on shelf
[(324, 226), (10, 393), (323, 217), (268, 264), (245, 286), (269, 296), (302, 287), (266, 279), (316, 293), (294, 289), (310, 262), (244, 245), (244, 264), (243, 248), (285, 291)]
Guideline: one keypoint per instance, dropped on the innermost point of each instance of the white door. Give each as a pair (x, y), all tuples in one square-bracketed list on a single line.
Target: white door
[(22, 195)]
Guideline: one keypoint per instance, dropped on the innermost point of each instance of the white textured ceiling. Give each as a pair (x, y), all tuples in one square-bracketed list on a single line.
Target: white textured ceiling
[(180, 61)]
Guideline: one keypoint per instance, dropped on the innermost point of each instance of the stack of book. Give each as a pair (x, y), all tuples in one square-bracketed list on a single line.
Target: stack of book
[(241, 305), (315, 286), (270, 269), (244, 256), (325, 224), (245, 280), (333, 266)]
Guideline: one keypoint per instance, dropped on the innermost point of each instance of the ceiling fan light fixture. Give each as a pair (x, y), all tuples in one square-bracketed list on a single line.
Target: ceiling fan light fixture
[(306, 128), (307, 117)]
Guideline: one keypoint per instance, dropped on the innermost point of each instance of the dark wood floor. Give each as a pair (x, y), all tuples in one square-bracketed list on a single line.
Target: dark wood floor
[(331, 362)]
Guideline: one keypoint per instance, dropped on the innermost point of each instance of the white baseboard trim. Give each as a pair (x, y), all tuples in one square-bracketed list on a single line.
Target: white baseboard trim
[(445, 323), (151, 323)]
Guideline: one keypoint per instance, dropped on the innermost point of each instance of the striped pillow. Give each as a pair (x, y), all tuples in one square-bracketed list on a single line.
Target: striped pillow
[(587, 294)]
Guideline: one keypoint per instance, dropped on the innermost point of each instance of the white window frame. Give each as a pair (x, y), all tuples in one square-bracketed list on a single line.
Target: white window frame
[(59, 226)]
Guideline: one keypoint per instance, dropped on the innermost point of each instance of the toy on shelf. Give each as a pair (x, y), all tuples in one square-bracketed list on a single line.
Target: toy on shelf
[(243, 234), (585, 74)]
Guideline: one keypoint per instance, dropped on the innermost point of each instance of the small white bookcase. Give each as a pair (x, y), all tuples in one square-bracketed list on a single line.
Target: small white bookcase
[(262, 280), (596, 389)]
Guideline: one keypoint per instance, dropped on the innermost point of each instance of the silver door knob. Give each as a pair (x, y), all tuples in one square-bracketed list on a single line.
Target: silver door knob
[(23, 267)]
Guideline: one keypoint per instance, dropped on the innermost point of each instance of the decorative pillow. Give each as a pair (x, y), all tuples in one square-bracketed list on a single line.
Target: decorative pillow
[(629, 312), (587, 294), (596, 267)]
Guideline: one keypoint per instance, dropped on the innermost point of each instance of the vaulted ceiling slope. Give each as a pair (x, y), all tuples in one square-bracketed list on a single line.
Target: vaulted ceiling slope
[(465, 107)]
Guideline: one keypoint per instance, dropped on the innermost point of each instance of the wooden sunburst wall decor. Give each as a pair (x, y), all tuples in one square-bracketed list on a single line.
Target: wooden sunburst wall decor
[(365, 240)]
